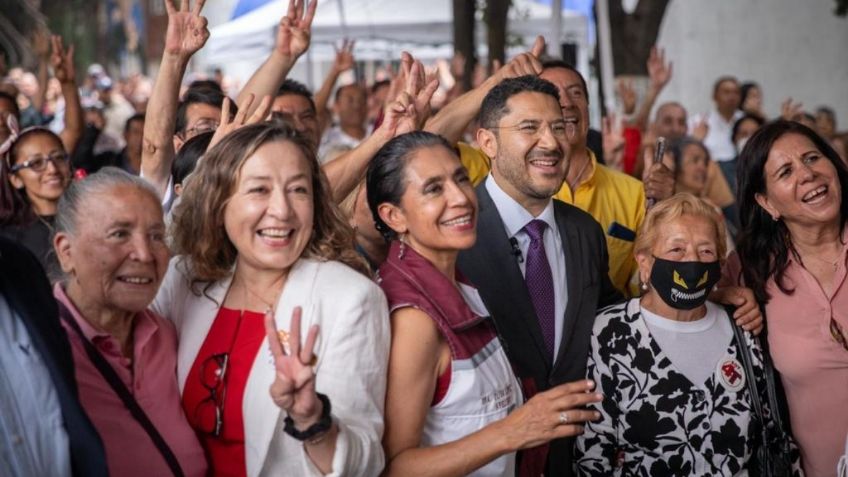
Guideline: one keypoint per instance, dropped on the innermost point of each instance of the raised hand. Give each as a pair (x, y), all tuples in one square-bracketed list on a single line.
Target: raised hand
[(701, 129), (187, 30), (293, 389), (229, 124), (62, 60), (525, 63), (411, 107), (627, 95), (295, 29), (344, 57), (659, 71), (41, 43), (613, 141), (789, 109)]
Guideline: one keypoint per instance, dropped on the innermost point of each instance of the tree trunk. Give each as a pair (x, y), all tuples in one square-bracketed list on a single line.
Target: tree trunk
[(463, 37), (496, 19), (633, 35)]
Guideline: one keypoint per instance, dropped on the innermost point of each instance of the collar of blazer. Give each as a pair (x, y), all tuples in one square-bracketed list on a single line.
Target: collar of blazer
[(196, 316)]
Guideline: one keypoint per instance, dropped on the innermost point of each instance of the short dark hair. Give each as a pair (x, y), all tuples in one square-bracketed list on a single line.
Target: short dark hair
[(291, 86), (764, 244), (827, 111), (723, 79), (385, 180), (494, 104), (745, 89), (134, 117), (746, 117), (186, 160), (341, 88), (380, 84), (209, 96), (206, 83), (554, 63), (14, 102)]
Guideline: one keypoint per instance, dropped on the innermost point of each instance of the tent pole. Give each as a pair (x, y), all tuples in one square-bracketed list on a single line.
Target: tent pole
[(556, 29)]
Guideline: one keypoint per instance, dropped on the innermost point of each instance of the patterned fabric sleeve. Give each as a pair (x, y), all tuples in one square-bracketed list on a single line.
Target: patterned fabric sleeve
[(757, 357), (597, 448)]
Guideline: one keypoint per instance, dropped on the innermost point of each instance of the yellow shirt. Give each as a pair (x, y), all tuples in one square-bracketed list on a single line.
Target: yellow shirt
[(607, 195)]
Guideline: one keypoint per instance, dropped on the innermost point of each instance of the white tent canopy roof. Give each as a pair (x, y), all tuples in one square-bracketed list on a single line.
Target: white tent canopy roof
[(382, 28)]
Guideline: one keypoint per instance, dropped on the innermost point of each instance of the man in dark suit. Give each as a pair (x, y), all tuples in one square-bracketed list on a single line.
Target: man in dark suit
[(47, 431), (540, 265)]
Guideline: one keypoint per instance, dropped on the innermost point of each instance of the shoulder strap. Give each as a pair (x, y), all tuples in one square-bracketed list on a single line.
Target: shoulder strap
[(121, 390), (748, 365)]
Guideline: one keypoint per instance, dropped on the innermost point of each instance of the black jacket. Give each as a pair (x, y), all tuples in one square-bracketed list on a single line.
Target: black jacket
[(28, 293), (492, 267)]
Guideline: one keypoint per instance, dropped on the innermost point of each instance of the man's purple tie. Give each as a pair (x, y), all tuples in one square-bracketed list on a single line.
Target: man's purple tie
[(540, 282)]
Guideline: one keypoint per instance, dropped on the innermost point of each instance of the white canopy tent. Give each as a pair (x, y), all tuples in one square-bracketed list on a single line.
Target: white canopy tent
[(381, 28)]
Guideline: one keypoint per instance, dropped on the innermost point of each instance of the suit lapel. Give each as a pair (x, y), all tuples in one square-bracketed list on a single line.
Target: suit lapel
[(260, 414), (573, 248), (502, 287)]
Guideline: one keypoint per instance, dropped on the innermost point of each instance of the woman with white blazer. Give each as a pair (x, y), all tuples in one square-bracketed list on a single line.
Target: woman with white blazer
[(261, 253)]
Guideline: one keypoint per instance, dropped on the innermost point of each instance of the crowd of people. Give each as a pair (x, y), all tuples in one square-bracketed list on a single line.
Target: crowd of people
[(414, 280)]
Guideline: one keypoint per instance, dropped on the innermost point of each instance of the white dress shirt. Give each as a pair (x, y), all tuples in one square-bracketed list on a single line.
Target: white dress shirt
[(719, 141), (34, 440), (514, 218)]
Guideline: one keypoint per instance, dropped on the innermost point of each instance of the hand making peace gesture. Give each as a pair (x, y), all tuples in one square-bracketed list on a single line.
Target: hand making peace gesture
[(295, 28), (293, 389), (187, 30)]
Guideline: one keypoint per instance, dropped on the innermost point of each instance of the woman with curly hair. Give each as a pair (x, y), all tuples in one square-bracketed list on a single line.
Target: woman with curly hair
[(262, 253)]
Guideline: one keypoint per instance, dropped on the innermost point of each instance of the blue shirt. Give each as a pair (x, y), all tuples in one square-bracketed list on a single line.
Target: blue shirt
[(34, 441)]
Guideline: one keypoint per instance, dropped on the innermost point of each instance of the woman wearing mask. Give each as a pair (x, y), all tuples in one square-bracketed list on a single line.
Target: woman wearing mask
[(793, 253), (676, 400), (263, 254), (453, 406)]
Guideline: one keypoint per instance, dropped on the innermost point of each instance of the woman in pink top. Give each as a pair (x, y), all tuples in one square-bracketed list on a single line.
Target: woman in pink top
[(793, 202), (110, 244)]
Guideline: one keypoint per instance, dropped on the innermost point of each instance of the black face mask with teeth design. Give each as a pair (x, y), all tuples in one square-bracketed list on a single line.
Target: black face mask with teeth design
[(684, 285)]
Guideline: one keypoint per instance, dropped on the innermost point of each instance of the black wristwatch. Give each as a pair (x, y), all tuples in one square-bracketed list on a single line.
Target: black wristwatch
[(324, 424)]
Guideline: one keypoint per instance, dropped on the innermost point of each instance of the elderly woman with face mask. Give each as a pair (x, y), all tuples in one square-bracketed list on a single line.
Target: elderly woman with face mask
[(678, 399), (263, 253), (793, 252), (110, 244)]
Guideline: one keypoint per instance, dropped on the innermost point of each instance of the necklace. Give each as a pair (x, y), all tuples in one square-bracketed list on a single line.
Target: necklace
[(833, 263), (46, 223)]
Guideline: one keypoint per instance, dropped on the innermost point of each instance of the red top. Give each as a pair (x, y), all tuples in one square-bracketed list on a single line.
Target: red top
[(236, 338)]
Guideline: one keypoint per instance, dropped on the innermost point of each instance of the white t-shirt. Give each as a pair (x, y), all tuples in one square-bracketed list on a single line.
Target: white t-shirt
[(694, 347)]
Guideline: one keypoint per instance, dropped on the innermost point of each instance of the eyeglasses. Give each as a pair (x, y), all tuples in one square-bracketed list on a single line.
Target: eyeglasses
[(838, 335), (39, 163), (213, 373), (200, 128), (535, 129)]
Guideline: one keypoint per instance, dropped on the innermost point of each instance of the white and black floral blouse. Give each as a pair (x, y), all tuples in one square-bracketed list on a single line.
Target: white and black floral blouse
[(655, 422)]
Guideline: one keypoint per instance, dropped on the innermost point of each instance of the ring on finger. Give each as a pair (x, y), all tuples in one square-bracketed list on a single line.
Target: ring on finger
[(563, 418)]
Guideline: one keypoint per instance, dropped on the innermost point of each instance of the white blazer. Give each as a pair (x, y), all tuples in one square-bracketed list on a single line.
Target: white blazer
[(352, 350)]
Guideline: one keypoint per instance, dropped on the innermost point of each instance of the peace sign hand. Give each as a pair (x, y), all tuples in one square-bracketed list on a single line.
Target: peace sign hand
[(187, 30), (293, 389), (229, 124), (295, 29), (62, 61)]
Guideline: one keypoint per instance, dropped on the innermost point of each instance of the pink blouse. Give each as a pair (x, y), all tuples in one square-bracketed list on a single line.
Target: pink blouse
[(151, 376), (812, 364)]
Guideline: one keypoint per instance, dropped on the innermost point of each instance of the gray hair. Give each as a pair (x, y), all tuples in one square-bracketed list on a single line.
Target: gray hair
[(106, 178)]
